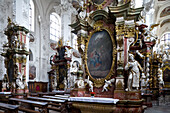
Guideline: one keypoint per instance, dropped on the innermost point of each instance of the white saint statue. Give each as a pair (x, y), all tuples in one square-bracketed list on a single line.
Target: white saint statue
[(160, 75), (19, 81), (134, 74)]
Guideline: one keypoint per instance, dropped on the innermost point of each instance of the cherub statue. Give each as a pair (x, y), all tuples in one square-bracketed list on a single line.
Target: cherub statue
[(143, 82), (54, 83), (133, 66), (107, 83), (65, 83), (75, 67), (5, 84), (90, 83), (79, 83)]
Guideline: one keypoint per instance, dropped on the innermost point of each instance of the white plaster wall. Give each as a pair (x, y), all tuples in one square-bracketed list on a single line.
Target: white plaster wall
[(6, 10), (18, 10), (22, 18), (34, 46), (66, 29), (22, 12), (42, 52), (165, 28)]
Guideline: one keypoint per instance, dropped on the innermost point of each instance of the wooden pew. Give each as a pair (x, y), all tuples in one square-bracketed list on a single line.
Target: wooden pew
[(4, 96), (56, 97), (63, 96), (33, 94), (8, 108), (57, 105), (29, 105), (41, 94)]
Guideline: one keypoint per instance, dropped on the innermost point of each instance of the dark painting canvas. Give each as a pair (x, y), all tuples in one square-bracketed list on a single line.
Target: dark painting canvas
[(99, 54), (32, 72), (98, 1), (166, 75)]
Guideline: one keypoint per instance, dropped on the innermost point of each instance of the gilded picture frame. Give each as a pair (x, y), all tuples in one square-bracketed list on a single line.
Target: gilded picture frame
[(166, 76), (99, 81)]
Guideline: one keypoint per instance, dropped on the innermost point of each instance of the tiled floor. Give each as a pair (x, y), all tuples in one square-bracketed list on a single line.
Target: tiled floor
[(158, 109)]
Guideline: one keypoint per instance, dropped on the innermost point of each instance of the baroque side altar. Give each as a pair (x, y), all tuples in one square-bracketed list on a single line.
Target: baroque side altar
[(15, 54), (110, 40)]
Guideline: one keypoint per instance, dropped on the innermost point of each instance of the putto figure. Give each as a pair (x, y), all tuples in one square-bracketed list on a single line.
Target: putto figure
[(107, 83), (90, 84), (134, 73)]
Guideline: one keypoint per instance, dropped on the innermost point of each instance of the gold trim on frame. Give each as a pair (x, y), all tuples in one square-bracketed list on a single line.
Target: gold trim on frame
[(99, 6), (98, 26), (165, 67)]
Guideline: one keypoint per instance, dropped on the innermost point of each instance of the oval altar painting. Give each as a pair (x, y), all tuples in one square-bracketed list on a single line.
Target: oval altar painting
[(99, 54)]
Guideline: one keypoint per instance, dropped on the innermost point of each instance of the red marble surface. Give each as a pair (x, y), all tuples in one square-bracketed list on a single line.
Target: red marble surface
[(133, 95), (128, 110), (119, 94), (77, 93)]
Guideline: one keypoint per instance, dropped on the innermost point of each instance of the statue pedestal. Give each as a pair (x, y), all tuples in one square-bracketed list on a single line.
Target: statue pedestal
[(120, 94), (105, 105), (147, 98), (133, 95), (78, 92), (20, 93), (129, 101)]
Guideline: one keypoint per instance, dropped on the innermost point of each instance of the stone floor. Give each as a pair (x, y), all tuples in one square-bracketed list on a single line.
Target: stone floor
[(154, 109), (158, 109)]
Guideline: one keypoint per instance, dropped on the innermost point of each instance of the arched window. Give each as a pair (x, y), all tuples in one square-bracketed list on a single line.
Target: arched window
[(74, 42), (55, 26), (165, 39), (31, 16), (30, 56)]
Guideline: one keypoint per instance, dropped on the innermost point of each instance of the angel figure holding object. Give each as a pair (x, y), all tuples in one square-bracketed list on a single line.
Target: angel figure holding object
[(134, 73)]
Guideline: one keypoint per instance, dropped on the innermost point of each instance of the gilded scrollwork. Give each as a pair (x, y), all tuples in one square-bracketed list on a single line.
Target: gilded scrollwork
[(99, 26), (98, 3)]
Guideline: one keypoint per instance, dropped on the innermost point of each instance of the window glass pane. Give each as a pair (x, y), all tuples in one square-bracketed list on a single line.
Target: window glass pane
[(55, 30), (31, 16)]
